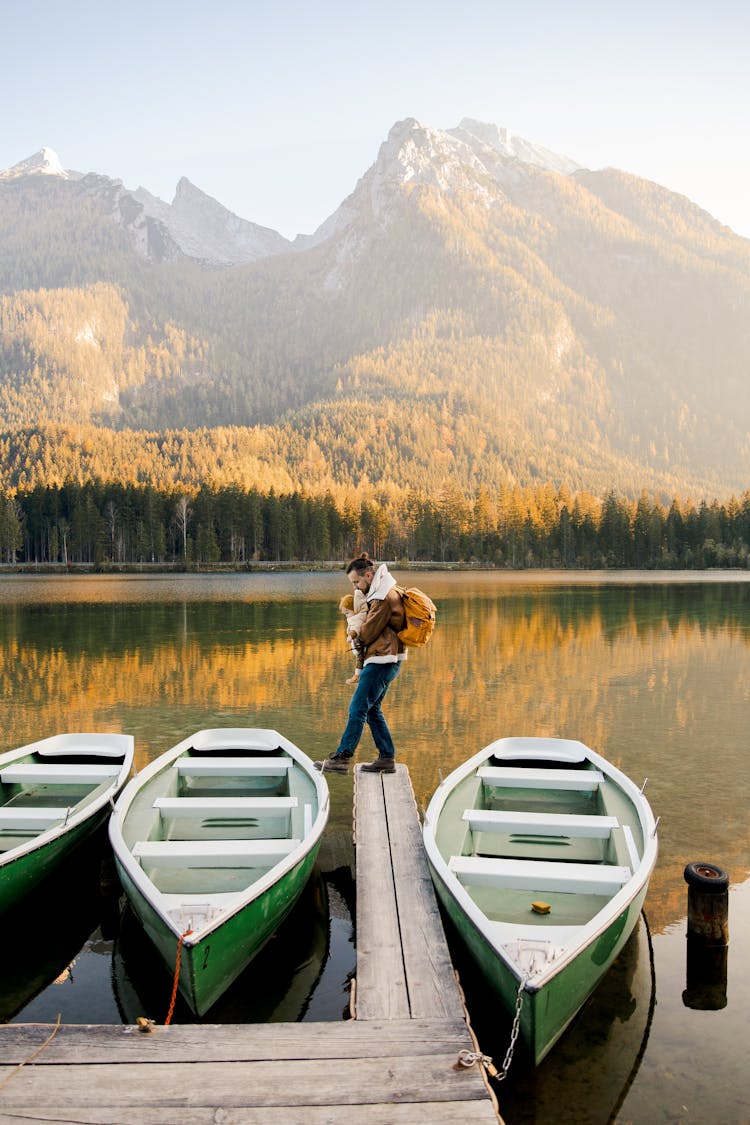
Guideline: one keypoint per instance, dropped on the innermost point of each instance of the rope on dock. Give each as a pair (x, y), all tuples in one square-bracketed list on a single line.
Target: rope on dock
[(479, 1054), (38, 1051), (182, 937)]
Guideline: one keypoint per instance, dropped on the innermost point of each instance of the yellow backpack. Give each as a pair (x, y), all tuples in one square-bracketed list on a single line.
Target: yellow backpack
[(419, 617)]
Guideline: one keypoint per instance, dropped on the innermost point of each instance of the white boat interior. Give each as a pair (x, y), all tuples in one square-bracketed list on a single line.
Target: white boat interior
[(44, 785), (539, 841), (215, 824)]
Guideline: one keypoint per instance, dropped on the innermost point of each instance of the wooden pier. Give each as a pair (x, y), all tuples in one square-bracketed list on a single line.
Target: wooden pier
[(392, 1063)]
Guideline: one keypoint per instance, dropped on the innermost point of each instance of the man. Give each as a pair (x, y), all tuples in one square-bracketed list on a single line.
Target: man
[(383, 656)]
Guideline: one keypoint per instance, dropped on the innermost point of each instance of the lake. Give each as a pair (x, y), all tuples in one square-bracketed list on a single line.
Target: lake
[(650, 669)]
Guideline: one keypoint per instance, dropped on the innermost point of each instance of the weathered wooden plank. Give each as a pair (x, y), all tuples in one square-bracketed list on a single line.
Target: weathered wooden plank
[(377, 1081), (381, 981), (424, 1113), (100, 1043), (430, 978)]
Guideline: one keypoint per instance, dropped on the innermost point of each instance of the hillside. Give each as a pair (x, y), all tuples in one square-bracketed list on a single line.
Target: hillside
[(478, 311)]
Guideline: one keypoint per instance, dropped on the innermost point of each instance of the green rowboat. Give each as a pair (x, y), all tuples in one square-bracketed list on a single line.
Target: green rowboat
[(53, 795), (214, 842), (541, 852)]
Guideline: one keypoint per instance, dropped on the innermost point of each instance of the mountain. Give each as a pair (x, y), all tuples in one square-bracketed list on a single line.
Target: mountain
[(192, 226), (204, 230), (46, 162), (513, 147), (479, 310)]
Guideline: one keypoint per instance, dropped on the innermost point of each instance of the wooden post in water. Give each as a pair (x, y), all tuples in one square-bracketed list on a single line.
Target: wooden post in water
[(707, 937), (708, 904)]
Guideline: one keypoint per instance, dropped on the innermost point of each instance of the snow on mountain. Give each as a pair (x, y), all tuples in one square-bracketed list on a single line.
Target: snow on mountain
[(43, 163), (484, 161)]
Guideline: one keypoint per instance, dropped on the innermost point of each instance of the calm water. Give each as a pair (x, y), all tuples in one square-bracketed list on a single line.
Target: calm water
[(652, 671)]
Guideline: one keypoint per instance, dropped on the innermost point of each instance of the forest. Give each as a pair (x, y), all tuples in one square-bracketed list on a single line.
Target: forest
[(103, 525)]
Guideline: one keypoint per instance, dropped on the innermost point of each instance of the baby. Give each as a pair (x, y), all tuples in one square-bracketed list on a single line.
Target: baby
[(354, 608)]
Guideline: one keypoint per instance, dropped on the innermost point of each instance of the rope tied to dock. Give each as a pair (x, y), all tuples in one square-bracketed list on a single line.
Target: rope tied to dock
[(38, 1051), (170, 1013)]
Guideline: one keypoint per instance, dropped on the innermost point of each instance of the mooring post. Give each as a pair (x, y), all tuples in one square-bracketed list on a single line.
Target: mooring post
[(707, 937), (708, 904)]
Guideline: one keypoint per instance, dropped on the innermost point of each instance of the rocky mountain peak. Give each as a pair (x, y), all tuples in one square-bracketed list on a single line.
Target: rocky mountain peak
[(186, 189), (207, 230), (46, 162), (484, 162)]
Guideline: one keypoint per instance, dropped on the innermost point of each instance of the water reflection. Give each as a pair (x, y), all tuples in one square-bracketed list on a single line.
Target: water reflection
[(54, 940), (705, 977)]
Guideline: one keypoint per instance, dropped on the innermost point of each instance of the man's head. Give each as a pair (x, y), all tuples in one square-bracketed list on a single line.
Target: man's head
[(361, 572)]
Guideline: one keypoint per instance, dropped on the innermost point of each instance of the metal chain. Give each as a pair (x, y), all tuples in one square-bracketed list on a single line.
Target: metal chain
[(513, 1033), (468, 1058)]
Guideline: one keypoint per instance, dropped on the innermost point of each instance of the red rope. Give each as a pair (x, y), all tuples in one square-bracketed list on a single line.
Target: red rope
[(182, 937)]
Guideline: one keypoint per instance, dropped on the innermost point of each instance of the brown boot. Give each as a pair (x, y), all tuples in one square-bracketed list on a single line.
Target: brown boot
[(381, 765), (334, 763)]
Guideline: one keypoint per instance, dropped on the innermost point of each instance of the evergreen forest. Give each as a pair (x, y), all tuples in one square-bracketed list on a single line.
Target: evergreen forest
[(99, 525)]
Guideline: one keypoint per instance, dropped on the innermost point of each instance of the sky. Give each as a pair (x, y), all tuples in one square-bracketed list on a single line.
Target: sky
[(277, 107)]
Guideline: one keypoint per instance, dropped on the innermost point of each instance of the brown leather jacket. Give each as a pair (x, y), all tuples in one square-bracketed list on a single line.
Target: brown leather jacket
[(383, 621)]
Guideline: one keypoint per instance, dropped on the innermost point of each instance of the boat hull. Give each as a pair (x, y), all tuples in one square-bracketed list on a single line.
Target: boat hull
[(547, 1012), (263, 993), (208, 966), (26, 872)]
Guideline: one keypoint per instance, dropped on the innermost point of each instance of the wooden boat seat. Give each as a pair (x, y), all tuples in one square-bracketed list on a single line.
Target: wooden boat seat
[(539, 875), (540, 824), (519, 778), (223, 807), (38, 773), (16, 816), (213, 853), (625, 846), (515, 937), (233, 767)]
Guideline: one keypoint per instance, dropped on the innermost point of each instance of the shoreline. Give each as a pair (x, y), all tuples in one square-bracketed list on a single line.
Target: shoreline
[(329, 567)]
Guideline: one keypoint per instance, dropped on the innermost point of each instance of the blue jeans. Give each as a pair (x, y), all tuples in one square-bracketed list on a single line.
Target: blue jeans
[(374, 681)]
